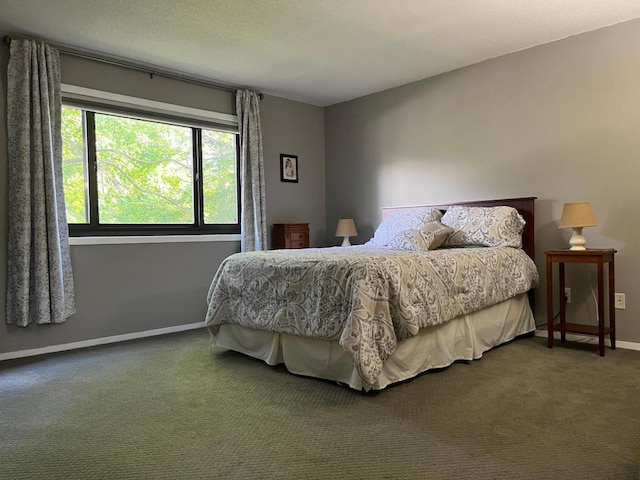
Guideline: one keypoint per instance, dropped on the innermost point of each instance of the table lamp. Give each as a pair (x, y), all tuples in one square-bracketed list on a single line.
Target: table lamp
[(346, 228), (577, 216)]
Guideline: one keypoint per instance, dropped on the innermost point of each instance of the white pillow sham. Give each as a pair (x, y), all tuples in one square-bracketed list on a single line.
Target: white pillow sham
[(398, 221), (484, 226)]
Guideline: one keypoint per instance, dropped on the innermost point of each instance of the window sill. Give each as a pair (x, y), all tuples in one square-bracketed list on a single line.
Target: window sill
[(120, 240)]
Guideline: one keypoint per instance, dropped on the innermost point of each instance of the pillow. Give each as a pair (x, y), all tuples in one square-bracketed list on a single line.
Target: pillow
[(396, 222), (486, 226), (428, 237)]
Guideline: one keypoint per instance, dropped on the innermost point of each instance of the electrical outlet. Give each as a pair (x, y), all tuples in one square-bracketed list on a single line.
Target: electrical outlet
[(567, 295), (620, 301)]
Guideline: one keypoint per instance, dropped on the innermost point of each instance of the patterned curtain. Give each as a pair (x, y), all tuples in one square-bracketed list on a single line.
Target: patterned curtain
[(253, 217), (39, 279)]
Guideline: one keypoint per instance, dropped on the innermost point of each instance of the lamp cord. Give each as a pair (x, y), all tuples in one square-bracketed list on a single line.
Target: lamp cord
[(593, 293)]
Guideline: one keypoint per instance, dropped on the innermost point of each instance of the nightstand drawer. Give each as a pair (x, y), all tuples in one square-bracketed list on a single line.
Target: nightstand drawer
[(290, 235)]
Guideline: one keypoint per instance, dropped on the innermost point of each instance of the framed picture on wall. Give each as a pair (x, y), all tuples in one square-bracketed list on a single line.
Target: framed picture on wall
[(288, 168)]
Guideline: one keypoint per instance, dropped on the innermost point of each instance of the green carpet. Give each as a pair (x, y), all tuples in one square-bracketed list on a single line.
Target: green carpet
[(172, 407)]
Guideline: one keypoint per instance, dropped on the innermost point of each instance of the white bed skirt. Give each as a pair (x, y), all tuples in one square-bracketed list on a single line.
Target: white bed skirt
[(464, 338)]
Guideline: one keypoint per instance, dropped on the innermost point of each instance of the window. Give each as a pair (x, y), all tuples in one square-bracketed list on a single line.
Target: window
[(135, 174)]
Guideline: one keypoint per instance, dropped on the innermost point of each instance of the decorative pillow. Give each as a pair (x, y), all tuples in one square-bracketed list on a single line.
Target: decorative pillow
[(428, 237), (486, 226), (396, 222)]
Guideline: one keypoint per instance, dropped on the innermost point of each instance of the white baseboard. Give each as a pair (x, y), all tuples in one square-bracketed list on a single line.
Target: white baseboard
[(542, 332), (98, 341)]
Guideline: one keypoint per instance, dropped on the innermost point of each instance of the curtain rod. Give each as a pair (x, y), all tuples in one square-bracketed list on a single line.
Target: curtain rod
[(139, 68)]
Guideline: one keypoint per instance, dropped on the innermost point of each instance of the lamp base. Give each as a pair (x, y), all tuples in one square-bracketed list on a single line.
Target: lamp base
[(346, 242), (577, 241)]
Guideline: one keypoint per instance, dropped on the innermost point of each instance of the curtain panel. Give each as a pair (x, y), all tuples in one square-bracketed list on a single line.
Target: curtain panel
[(39, 277), (253, 221)]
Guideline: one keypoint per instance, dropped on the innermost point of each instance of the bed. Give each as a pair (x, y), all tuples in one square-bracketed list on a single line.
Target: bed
[(373, 315)]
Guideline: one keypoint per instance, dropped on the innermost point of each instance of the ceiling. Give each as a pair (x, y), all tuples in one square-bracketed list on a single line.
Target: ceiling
[(316, 51)]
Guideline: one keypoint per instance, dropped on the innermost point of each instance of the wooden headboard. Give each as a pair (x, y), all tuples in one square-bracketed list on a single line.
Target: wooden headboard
[(524, 205)]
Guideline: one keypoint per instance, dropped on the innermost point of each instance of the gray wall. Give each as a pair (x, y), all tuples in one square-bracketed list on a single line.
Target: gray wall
[(297, 129), (131, 288), (560, 121)]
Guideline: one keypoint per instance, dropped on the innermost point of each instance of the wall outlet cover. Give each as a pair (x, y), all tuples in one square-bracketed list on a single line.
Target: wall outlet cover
[(620, 301)]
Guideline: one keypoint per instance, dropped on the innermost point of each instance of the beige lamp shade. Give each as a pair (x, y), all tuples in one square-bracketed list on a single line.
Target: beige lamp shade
[(577, 216), (346, 228)]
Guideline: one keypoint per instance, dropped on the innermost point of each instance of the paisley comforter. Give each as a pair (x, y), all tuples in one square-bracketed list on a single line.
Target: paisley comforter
[(367, 298)]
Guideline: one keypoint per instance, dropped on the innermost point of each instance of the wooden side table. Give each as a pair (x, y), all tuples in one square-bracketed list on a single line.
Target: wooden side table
[(599, 257), (290, 235)]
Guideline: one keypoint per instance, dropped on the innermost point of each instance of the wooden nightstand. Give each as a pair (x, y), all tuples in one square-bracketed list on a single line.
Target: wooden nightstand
[(290, 235), (599, 257)]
